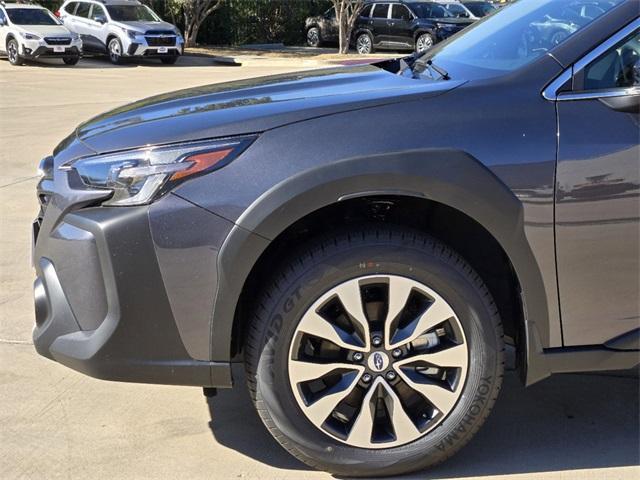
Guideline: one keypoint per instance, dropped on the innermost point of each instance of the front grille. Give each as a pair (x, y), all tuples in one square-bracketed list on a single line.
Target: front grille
[(161, 41), (160, 32), (57, 41), (45, 186)]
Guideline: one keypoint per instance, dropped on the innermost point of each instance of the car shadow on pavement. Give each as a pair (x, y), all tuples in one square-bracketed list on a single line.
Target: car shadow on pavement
[(97, 62), (564, 423)]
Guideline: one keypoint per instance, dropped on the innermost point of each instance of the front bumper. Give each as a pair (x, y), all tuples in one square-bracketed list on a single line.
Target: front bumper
[(126, 294), (153, 46), (33, 49)]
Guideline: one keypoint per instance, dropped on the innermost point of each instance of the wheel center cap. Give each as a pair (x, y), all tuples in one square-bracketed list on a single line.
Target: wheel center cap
[(378, 361)]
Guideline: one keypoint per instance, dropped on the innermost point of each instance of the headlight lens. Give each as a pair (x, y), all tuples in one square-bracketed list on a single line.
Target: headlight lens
[(30, 36), (137, 177), (132, 34), (446, 26)]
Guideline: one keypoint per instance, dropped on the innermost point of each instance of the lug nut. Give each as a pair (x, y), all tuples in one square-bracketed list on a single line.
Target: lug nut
[(357, 357), (397, 353), (376, 341), (391, 376), (366, 378)]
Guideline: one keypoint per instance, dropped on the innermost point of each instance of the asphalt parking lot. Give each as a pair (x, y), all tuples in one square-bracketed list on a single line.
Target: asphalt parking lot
[(55, 423)]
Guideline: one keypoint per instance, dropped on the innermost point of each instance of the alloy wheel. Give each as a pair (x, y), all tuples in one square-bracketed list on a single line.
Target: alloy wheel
[(12, 51), (114, 51), (313, 37), (424, 43), (363, 44), (378, 361)]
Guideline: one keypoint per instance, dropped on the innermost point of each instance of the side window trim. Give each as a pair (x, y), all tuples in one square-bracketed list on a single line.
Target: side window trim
[(553, 91)]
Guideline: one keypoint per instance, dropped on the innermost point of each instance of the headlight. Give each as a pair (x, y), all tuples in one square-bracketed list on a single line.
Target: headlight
[(136, 177), (130, 33), (446, 26), (29, 36), (74, 36)]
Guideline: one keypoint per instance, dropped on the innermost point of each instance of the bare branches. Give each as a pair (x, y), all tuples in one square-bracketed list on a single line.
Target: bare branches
[(347, 12)]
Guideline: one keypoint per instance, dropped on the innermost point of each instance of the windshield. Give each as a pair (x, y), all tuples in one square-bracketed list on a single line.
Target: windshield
[(430, 10), (132, 13), (480, 9), (516, 35), (31, 16)]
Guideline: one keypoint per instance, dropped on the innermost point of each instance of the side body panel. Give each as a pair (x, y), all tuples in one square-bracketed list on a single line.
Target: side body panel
[(598, 222), (296, 169)]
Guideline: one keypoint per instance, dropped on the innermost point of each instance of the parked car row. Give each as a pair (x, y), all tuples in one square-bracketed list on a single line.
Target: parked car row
[(400, 24), (116, 28)]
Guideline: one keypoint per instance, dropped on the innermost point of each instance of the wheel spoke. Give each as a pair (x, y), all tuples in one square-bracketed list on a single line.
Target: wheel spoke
[(439, 396), (362, 428), (315, 325), (300, 371), (403, 427), (455, 356), (351, 299), (399, 291), (319, 410), (438, 312)]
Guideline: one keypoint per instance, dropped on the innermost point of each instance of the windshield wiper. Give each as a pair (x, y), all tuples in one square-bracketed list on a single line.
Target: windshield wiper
[(419, 65)]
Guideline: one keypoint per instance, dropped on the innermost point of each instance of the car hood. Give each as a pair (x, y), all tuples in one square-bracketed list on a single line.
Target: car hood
[(46, 30), (251, 106), (143, 27)]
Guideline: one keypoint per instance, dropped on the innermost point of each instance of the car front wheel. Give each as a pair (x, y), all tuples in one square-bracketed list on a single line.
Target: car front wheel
[(424, 42), (71, 60), (313, 37), (364, 44), (115, 51), (13, 52), (374, 352)]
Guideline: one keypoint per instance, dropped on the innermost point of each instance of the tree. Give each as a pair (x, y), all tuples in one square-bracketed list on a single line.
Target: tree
[(347, 12), (194, 12)]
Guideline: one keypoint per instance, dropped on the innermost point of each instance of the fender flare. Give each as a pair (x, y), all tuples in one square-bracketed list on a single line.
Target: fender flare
[(450, 177)]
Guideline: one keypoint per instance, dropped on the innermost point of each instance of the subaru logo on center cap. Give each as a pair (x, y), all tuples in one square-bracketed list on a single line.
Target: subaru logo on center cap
[(378, 361)]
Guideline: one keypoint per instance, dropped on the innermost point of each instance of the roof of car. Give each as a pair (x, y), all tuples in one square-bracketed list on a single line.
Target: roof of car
[(109, 2), (20, 5)]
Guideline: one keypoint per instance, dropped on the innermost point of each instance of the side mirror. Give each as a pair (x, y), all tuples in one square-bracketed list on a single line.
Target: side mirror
[(3, 22), (100, 19)]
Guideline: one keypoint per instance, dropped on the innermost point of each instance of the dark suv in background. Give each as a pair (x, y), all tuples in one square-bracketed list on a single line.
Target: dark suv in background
[(405, 25), (367, 240)]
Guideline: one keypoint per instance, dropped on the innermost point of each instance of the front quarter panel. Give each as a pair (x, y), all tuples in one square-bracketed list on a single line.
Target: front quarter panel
[(469, 148)]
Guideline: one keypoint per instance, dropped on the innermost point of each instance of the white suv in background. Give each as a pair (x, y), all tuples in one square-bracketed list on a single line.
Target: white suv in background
[(122, 28), (30, 32)]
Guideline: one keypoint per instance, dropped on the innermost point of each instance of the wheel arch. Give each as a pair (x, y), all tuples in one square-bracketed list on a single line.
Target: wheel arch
[(447, 181)]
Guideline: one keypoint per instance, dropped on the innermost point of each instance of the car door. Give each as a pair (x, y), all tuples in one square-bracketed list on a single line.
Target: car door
[(400, 25), (598, 193), (329, 26), (96, 29), (4, 27), (79, 23), (379, 23)]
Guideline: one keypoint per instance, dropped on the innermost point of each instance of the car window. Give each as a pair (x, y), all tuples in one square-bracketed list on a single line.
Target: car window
[(71, 8), (400, 12), (430, 10), (380, 10), (330, 14), (31, 16), (617, 68), (366, 11), (97, 11), (83, 10), (481, 9), (457, 10), (516, 36), (132, 13)]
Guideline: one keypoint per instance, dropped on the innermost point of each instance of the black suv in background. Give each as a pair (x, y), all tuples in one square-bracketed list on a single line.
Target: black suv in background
[(322, 29), (401, 25)]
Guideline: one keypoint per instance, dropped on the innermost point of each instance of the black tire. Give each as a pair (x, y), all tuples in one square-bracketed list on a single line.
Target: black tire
[(13, 52), (424, 39), (314, 37), (169, 60), (364, 44), (345, 255), (71, 60), (114, 51)]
